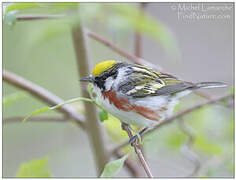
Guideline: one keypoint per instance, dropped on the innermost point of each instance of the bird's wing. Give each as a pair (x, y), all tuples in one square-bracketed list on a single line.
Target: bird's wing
[(143, 82)]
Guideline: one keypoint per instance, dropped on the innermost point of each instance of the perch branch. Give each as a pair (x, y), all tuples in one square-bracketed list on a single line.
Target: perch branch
[(178, 115), (138, 151), (42, 94)]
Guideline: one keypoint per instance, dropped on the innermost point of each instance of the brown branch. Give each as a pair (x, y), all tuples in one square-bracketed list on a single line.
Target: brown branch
[(94, 132), (43, 95), (176, 116), (34, 119), (138, 151)]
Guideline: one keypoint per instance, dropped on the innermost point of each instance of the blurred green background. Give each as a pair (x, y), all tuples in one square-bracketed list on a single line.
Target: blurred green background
[(193, 49)]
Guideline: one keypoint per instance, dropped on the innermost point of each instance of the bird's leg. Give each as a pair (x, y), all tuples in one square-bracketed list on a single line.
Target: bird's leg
[(128, 129), (138, 136)]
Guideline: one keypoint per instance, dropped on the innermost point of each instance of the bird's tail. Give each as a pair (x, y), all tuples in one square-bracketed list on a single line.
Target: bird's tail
[(209, 85)]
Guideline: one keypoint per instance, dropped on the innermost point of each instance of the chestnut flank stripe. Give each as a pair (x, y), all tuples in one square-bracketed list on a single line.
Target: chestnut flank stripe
[(124, 104)]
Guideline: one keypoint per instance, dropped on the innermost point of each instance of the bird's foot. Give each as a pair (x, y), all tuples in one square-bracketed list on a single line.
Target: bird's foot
[(135, 139)]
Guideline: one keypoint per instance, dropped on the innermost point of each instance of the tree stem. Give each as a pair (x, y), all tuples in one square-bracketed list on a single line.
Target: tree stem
[(94, 132)]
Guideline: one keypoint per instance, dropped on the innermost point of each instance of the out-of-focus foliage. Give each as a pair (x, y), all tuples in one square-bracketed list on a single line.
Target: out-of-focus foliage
[(202, 144), (57, 6), (11, 98), (213, 126), (20, 6), (232, 90), (117, 16), (34, 169), (175, 139), (113, 123), (113, 167)]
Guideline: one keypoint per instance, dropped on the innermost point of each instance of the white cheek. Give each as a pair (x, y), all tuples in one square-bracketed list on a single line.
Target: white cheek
[(109, 82), (121, 77)]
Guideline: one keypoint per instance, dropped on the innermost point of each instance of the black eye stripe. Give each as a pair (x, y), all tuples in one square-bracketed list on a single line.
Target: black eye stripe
[(112, 72)]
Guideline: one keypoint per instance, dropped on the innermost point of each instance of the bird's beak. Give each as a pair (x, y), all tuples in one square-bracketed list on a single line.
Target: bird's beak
[(87, 79)]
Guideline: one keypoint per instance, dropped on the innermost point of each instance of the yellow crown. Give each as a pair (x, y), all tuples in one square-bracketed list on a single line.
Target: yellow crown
[(103, 66)]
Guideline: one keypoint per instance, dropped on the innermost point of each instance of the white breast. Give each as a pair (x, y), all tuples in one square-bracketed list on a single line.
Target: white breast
[(130, 117)]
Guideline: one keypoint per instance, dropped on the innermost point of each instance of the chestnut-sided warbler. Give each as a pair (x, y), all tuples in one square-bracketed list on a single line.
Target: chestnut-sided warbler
[(139, 95)]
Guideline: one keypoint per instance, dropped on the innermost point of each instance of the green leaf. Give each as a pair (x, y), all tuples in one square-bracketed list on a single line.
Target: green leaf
[(103, 115), (13, 98), (45, 109), (20, 6), (113, 167), (34, 168)]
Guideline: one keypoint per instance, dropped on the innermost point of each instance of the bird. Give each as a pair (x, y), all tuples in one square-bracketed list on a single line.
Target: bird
[(139, 95)]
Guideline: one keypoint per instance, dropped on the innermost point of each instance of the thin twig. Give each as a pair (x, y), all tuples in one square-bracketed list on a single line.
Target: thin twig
[(42, 94), (138, 151), (34, 119), (176, 116)]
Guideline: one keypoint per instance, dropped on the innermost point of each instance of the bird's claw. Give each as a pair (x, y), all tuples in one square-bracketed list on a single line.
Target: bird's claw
[(135, 139)]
